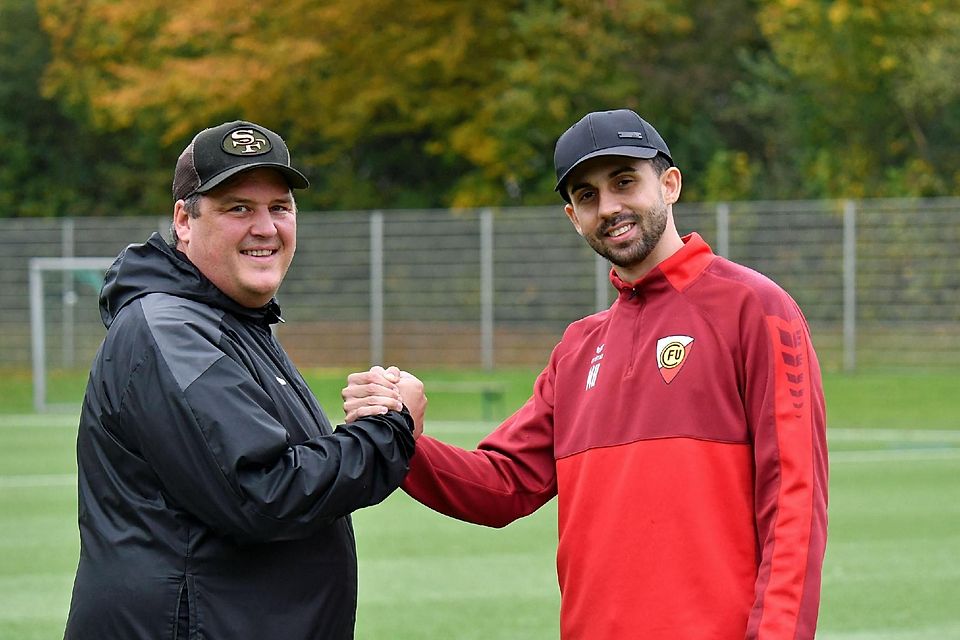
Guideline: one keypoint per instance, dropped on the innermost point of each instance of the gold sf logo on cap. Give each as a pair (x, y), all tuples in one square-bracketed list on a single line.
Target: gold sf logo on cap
[(245, 142)]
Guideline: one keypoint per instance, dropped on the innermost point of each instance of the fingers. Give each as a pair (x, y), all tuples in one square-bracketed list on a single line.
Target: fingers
[(378, 390), (391, 373), (365, 412), (375, 374), (359, 390), (370, 393), (370, 382), (372, 404)]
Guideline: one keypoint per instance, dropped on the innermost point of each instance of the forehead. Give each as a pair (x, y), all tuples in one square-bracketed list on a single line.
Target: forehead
[(260, 178)]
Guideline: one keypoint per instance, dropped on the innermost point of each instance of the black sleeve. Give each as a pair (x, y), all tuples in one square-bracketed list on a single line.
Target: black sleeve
[(222, 456)]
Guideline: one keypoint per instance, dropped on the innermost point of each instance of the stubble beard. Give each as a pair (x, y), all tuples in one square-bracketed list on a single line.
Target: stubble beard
[(651, 224)]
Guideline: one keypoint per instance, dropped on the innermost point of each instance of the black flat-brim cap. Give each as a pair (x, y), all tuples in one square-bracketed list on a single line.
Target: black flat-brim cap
[(606, 133), (217, 154)]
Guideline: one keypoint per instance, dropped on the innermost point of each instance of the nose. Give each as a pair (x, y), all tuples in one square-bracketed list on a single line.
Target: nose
[(608, 203), (262, 223)]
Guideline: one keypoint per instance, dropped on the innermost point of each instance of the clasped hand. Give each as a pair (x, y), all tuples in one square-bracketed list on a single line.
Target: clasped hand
[(374, 392)]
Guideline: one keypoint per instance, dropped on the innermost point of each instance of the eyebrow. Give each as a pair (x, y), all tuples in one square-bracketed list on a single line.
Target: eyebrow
[(623, 169)]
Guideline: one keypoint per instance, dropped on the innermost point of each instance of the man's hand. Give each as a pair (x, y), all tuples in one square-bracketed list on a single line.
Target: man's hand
[(374, 392), (411, 391), (371, 393)]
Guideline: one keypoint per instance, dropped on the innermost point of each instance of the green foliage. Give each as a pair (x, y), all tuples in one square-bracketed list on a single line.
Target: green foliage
[(55, 161), (39, 164), (861, 97), (729, 176)]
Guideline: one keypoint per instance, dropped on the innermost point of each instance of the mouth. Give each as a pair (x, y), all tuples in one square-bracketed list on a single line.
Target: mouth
[(259, 253), (618, 229)]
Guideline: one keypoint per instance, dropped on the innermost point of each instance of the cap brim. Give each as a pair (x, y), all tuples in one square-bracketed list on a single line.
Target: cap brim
[(294, 178), (629, 152)]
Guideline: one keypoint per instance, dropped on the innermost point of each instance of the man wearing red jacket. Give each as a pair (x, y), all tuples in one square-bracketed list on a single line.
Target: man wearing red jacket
[(682, 429)]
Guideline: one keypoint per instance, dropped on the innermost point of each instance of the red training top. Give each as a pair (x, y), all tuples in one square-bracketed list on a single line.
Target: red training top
[(683, 430)]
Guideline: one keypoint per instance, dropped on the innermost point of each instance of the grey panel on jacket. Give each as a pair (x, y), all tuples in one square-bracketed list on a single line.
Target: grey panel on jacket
[(175, 323)]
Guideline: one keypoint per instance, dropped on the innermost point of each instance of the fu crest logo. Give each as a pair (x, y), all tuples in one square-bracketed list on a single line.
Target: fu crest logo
[(594, 368), (245, 142), (672, 352)]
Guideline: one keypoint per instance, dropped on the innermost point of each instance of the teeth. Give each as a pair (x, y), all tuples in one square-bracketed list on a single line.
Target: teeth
[(620, 231), (259, 252)]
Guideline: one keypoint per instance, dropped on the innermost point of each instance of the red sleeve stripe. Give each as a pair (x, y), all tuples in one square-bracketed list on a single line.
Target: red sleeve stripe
[(791, 535)]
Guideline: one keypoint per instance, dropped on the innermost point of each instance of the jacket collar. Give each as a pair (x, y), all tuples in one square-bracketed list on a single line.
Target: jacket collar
[(679, 270)]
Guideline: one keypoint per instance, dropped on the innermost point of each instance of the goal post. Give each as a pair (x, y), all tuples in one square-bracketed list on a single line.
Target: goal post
[(38, 338)]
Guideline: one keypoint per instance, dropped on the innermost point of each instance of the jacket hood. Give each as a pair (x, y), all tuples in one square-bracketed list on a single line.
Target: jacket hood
[(156, 267)]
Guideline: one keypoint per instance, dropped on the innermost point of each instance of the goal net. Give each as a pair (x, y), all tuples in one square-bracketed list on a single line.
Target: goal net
[(65, 327)]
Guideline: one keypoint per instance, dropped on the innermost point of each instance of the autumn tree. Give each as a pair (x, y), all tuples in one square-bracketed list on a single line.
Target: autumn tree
[(423, 103), (395, 103), (366, 91), (52, 162), (860, 98)]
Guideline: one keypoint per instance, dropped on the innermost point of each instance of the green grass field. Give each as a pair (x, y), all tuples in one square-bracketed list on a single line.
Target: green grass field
[(892, 570)]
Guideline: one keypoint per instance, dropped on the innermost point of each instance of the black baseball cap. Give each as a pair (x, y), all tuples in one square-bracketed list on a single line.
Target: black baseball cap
[(606, 133), (219, 153)]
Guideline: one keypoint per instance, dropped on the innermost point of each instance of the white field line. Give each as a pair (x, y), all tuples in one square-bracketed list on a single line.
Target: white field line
[(943, 445), (35, 481), (908, 445), (949, 630), (895, 455), (39, 420), (894, 435)]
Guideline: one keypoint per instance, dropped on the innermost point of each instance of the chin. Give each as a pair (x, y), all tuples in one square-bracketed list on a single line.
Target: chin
[(258, 297)]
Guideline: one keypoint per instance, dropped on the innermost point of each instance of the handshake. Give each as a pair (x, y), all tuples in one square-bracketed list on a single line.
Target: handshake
[(374, 392)]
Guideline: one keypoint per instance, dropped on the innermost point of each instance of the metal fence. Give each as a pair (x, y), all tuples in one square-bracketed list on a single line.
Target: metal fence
[(879, 281)]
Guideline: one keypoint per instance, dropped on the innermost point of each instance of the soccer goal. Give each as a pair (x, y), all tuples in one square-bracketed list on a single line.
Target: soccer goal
[(64, 318)]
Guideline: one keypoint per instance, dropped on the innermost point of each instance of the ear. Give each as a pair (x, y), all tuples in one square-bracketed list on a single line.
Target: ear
[(181, 223), (670, 184), (568, 209)]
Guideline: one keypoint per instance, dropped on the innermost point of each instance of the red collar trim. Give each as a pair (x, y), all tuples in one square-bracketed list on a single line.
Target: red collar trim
[(680, 269)]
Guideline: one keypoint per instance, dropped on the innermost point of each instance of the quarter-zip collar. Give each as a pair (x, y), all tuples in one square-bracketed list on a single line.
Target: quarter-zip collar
[(677, 271)]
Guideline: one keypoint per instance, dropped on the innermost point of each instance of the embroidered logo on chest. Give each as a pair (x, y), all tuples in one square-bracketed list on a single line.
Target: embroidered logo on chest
[(672, 352), (594, 368)]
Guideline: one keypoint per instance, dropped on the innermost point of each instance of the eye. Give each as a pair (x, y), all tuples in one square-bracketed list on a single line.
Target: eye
[(584, 195)]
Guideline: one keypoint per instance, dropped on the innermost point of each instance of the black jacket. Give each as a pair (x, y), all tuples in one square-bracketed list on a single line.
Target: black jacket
[(212, 487)]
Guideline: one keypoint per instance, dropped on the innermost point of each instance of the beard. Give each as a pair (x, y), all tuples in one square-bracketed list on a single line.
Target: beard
[(650, 223)]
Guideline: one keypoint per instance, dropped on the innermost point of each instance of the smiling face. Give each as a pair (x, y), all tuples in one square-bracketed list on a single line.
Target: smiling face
[(623, 209), (244, 237)]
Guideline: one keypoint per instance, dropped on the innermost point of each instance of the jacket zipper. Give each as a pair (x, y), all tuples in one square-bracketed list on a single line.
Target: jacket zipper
[(634, 336)]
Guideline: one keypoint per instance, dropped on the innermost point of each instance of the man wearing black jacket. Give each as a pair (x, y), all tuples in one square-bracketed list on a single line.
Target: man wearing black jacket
[(214, 494)]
